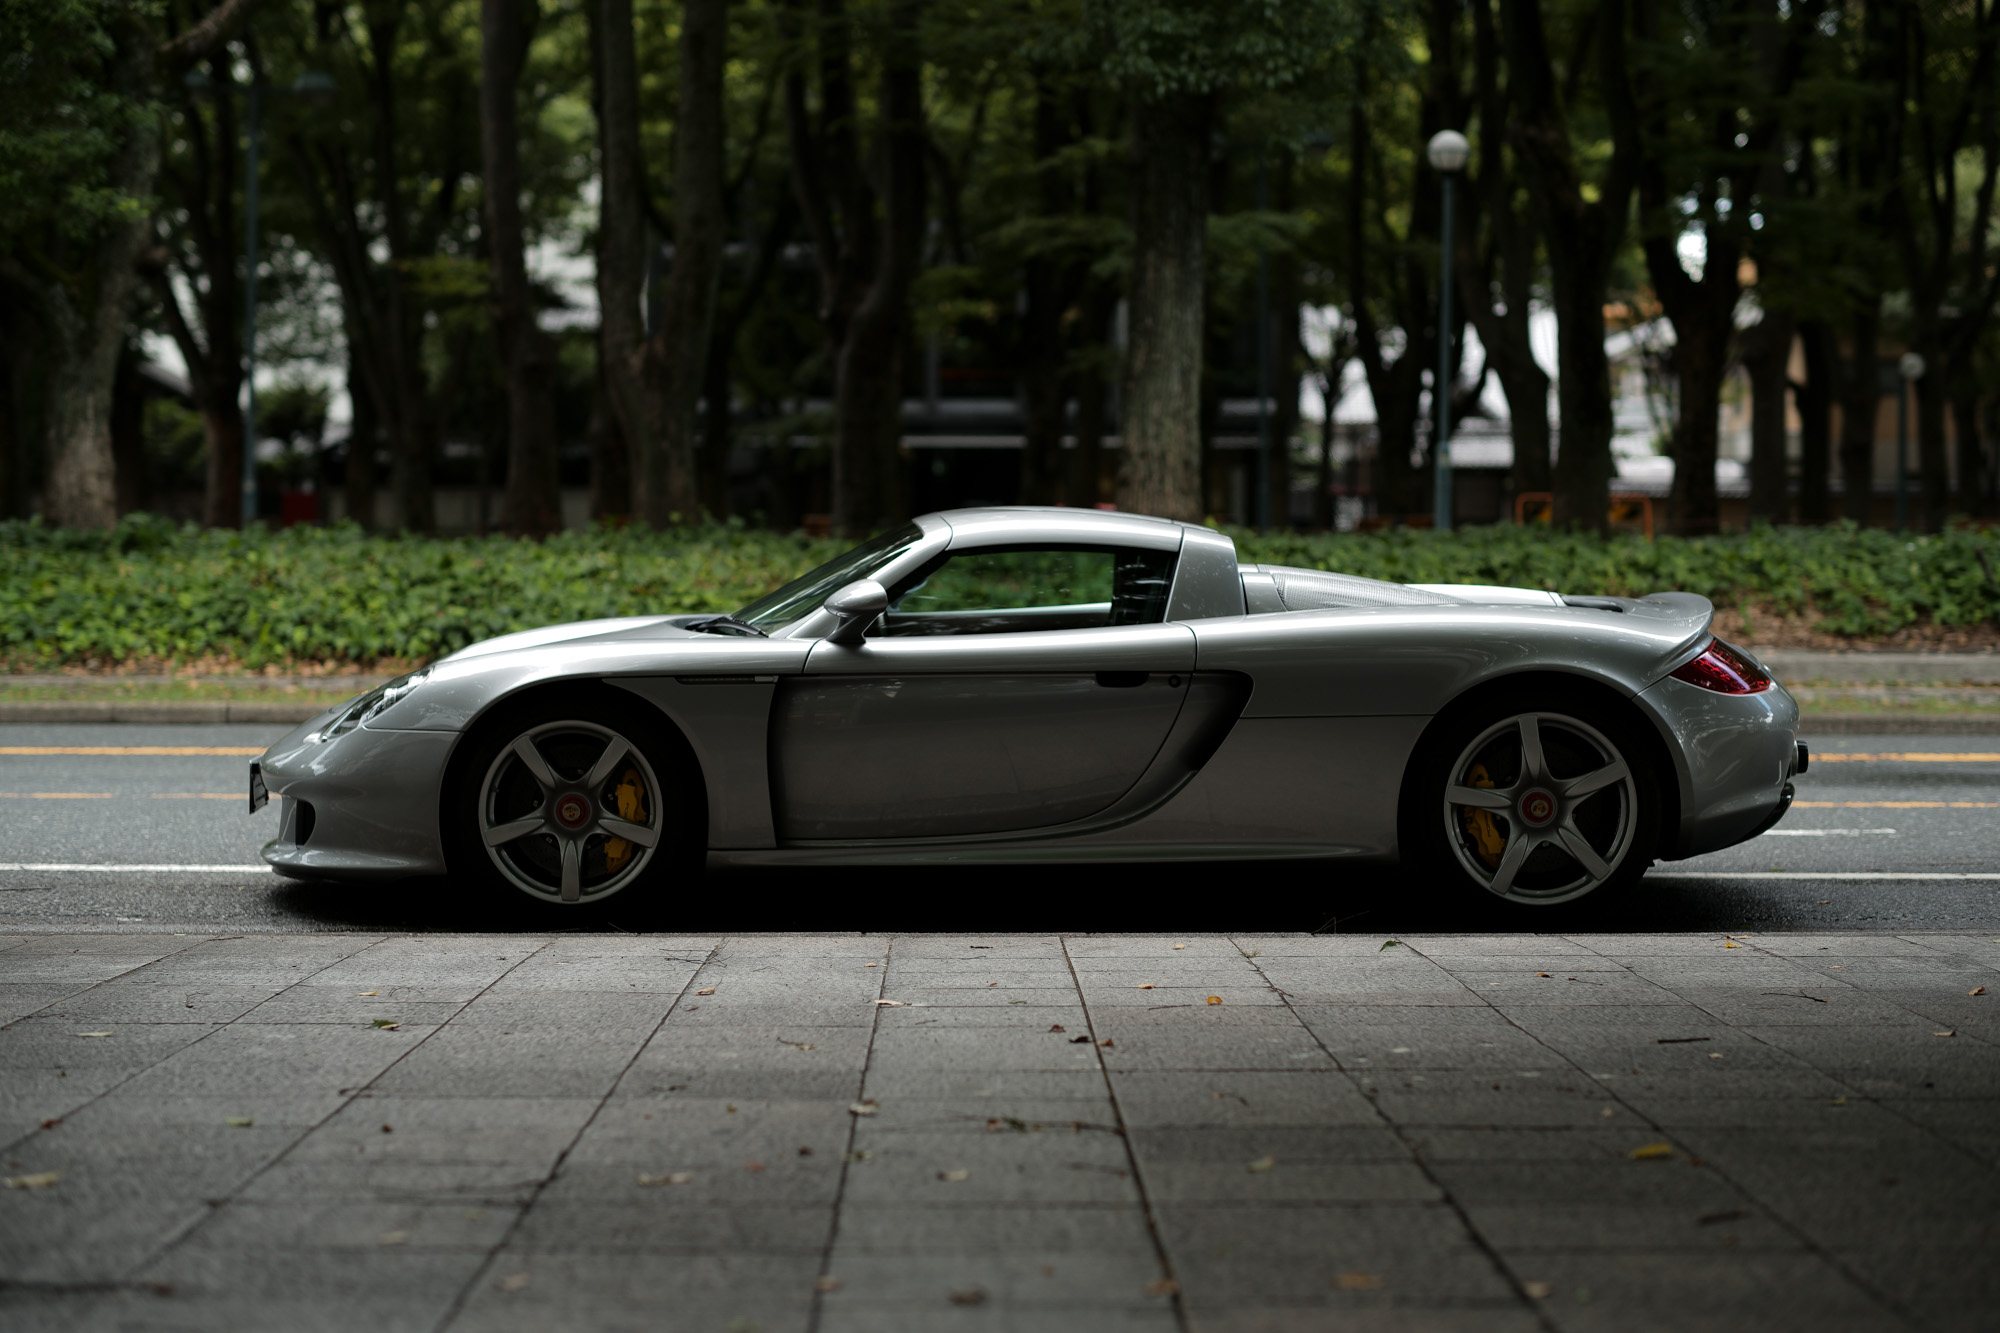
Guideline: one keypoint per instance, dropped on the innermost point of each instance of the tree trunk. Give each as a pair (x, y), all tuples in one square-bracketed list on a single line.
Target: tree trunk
[(1582, 232), (868, 475), (1815, 400), (1050, 287), (1974, 466), (1933, 467), (363, 438), (621, 253), (675, 360), (1860, 395), (1766, 349), (532, 503), (1159, 470), (1092, 468)]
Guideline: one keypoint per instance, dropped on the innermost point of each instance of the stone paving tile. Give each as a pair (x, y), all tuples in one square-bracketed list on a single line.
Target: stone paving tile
[(18, 999), (152, 1001), (1517, 1097), (482, 1062), (1755, 1291), (1233, 1047), (1150, 1099), (542, 1291), (958, 1170), (664, 1220), (1488, 1317), (1339, 1257), (1518, 1228), (245, 1057), (1050, 1278), (857, 1317)]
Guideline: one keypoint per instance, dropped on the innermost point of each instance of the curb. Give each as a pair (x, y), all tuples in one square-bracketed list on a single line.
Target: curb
[(174, 711), (195, 711)]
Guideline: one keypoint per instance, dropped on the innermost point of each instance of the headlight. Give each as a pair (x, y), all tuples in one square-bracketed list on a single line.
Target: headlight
[(373, 703)]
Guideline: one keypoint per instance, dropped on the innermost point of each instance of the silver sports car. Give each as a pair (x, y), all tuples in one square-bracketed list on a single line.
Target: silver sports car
[(1056, 685)]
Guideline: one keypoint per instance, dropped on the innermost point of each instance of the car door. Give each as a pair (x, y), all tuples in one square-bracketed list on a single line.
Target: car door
[(1005, 690)]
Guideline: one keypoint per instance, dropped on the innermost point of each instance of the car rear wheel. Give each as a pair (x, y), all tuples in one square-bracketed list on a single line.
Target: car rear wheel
[(1536, 802), (573, 807)]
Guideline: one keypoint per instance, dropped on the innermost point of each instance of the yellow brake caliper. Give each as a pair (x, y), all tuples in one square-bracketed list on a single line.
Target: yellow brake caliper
[(632, 808), (1480, 825)]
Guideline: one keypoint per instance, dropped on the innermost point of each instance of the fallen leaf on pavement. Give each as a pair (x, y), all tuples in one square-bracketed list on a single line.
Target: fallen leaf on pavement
[(706, 990), (970, 1296), (1541, 974), (1145, 985), (871, 965), (1977, 990), (890, 1004), (671, 1178), (954, 1176), (1107, 1042), (1651, 1152), (1264, 1163), (238, 1121), (364, 994), (40, 1180), (1357, 1282), (1165, 1286), (1840, 1101), (1678, 1041), (1388, 944), (753, 1166), (93, 1034), (828, 1283), (395, 1237), (862, 1108), (1057, 1027), (1726, 1215), (1715, 1055), (387, 1024), (1953, 1032), (1536, 1291), (512, 1282), (1079, 1041), (1731, 944), (1608, 1112), (1180, 946), (1215, 999), (52, 1122)]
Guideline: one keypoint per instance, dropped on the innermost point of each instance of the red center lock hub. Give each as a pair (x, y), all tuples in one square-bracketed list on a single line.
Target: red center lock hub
[(1536, 808), (572, 811)]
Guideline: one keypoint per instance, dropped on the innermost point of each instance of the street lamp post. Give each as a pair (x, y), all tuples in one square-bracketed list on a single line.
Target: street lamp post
[(1447, 152), (314, 87), (1909, 367)]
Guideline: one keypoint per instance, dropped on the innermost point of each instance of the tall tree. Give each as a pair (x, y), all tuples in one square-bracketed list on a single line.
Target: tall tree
[(1177, 60), (80, 153), (533, 500), (867, 260), (1948, 75), (1583, 226), (1496, 265), (621, 238), (674, 361)]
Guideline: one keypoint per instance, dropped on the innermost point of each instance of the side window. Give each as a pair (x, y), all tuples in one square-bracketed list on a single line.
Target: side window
[(1007, 590)]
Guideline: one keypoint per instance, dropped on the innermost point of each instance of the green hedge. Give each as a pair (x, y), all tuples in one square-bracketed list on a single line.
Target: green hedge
[(150, 591)]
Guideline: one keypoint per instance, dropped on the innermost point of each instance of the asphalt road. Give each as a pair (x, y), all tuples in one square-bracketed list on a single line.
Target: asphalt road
[(1886, 831)]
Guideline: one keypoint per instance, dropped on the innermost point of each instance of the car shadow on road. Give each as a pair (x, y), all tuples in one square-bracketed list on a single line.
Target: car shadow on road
[(1266, 896)]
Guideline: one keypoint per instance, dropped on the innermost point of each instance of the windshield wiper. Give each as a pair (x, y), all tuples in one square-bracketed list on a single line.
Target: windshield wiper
[(727, 625)]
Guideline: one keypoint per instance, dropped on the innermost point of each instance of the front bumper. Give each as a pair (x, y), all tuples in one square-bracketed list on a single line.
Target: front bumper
[(360, 806), (1735, 756)]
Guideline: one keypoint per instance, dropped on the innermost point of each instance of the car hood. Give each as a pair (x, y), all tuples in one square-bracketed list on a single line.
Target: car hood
[(578, 629)]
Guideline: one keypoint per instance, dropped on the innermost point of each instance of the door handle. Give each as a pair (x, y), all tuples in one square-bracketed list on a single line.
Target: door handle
[(1121, 680)]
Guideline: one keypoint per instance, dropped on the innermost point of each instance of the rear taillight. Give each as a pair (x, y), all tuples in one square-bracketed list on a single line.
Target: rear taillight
[(1724, 670)]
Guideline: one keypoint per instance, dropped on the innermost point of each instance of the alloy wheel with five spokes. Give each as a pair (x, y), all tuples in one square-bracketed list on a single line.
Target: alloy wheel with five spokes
[(570, 812), (1541, 808)]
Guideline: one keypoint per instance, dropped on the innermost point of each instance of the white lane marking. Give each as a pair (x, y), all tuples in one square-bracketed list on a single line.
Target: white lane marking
[(1816, 874), (1824, 832), (66, 868)]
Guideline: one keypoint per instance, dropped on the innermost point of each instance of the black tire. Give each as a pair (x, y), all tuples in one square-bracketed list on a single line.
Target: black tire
[(1547, 836), (574, 867)]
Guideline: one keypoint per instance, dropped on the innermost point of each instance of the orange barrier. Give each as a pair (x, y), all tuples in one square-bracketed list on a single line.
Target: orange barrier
[(1626, 509)]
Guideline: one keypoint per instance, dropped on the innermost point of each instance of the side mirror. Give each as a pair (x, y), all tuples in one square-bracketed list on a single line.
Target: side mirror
[(855, 608)]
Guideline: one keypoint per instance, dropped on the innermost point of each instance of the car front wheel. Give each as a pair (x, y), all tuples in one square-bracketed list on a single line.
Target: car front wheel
[(570, 806)]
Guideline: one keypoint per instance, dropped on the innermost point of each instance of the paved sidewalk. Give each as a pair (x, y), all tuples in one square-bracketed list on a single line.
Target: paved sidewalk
[(1035, 1133)]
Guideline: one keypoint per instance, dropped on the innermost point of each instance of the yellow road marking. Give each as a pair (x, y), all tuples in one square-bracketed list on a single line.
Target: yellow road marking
[(58, 795), (1895, 805), (1910, 757), (200, 796), (132, 749)]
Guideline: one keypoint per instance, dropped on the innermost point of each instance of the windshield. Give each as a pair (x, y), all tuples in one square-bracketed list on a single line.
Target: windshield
[(802, 596)]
